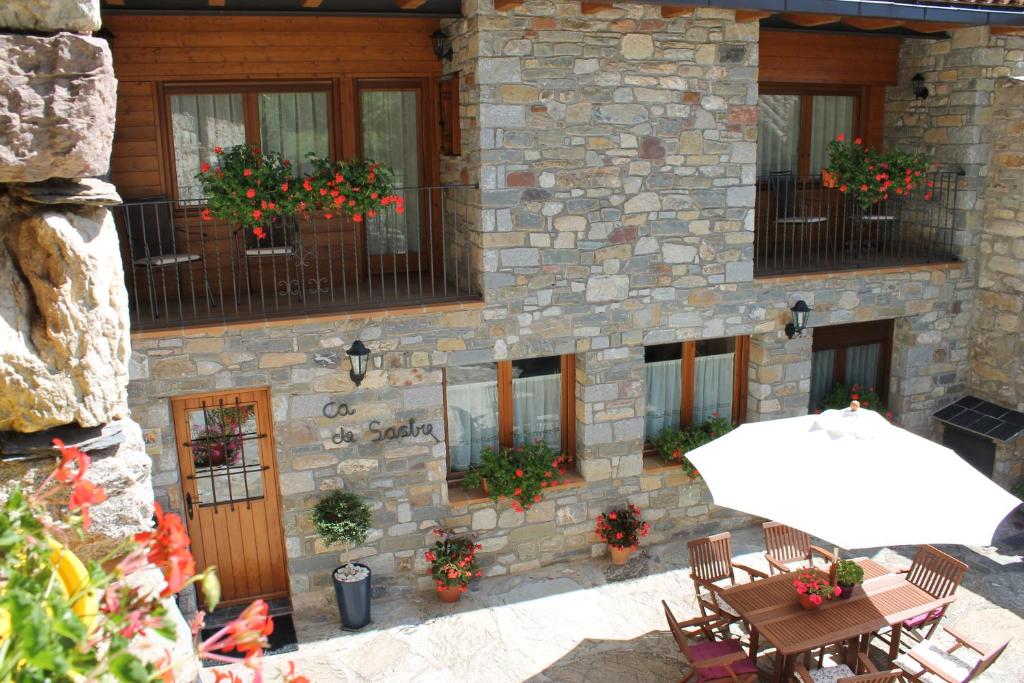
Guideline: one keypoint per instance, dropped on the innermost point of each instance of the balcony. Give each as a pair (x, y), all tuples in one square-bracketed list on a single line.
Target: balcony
[(803, 227), (183, 271)]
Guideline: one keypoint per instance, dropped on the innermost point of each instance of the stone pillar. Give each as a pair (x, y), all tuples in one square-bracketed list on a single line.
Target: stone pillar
[(779, 381), (610, 412)]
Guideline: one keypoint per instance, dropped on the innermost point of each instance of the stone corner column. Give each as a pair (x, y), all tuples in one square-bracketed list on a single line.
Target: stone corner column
[(779, 376)]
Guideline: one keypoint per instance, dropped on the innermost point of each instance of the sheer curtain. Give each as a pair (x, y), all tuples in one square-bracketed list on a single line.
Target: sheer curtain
[(391, 136), (537, 409), (664, 394), (472, 422), (822, 375), (198, 124), (294, 124), (778, 134), (862, 364), (712, 386), (830, 116)]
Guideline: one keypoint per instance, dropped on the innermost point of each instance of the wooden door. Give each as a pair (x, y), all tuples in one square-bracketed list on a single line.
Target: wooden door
[(229, 484)]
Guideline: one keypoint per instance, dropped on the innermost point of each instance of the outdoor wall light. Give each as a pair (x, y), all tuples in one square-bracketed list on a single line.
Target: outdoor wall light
[(917, 83), (442, 48), (360, 357), (800, 311)]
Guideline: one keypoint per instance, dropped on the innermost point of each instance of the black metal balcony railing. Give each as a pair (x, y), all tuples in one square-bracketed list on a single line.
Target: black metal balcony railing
[(182, 270), (802, 226)]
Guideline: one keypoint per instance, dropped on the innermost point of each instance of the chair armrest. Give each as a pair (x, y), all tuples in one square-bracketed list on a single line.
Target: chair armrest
[(962, 640), (826, 555), (775, 563), (801, 674), (930, 668), (753, 573), (714, 588)]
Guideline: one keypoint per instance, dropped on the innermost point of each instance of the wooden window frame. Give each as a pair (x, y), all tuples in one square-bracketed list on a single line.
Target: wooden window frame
[(448, 115), (250, 91), (841, 337), (806, 93), (740, 368), (505, 408)]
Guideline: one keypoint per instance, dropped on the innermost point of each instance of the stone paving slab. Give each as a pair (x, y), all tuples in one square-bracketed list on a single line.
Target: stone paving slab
[(592, 622)]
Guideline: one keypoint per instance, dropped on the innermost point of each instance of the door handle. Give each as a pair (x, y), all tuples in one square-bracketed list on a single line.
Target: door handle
[(188, 503)]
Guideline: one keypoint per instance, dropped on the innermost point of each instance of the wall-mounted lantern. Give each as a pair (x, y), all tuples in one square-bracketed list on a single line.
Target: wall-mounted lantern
[(800, 312), (917, 84), (360, 357), (442, 48)]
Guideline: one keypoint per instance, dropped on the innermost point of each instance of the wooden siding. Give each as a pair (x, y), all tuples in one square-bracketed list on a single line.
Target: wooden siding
[(152, 51), (805, 57)]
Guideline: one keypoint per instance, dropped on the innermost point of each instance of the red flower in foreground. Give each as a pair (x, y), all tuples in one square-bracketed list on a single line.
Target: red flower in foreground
[(84, 494), (168, 549), (248, 633), (291, 677), (70, 454)]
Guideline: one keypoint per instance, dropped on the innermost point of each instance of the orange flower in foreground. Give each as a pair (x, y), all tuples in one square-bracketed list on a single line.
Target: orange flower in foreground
[(169, 550)]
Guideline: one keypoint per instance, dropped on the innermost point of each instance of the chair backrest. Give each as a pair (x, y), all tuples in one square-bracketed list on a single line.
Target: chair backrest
[(986, 661), (935, 572), (677, 632), (783, 187), (282, 231), (785, 543), (876, 677), (149, 225), (711, 557)]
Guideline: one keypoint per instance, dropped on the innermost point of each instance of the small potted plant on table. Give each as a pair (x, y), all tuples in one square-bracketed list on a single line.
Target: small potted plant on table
[(343, 517), (813, 588), (452, 563), (522, 473), (848, 575), (621, 530)]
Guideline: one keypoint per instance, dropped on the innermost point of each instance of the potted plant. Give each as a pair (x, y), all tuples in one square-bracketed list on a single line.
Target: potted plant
[(343, 517), (673, 444), (872, 176), (848, 575), (841, 395), (521, 473), (452, 563), (813, 589), (622, 530)]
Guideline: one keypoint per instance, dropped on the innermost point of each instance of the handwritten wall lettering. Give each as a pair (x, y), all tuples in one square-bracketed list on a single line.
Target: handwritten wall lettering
[(333, 409)]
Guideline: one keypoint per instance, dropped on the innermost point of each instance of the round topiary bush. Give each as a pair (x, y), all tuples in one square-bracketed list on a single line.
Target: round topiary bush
[(341, 516)]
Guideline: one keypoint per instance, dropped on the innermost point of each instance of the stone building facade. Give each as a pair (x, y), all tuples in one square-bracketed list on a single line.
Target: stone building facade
[(615, 157)]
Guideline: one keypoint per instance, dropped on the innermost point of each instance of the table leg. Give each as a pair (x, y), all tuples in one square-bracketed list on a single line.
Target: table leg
[(779, 668), (755, 638), (894, 642)]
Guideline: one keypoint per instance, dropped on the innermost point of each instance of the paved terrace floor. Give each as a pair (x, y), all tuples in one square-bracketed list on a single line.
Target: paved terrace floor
[(588, 621)]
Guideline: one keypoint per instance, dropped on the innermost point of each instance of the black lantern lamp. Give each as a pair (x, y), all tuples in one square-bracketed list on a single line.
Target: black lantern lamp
[(917, 84), (800, 311), (360, 357), (442, 48)]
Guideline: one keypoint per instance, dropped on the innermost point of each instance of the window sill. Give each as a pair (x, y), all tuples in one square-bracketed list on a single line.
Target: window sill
[(460, 496), (654, 464)]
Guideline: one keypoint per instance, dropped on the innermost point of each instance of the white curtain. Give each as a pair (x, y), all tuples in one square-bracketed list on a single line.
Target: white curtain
[(712, 386), (862, 364), (822, 375), (472, 422), (294, 124), (778, 134), (664, 394), (198, 124), (537, 409), (391, 136), (831, 115)]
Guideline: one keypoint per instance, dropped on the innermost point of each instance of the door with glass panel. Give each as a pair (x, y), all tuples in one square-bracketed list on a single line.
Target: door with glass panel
[(391, 130), (230, 492)]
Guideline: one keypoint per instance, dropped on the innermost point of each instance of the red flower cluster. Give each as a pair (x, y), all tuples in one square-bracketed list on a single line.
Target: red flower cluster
[(168, 549), (84, 493), (874, 174), (622, 528), (522, 473), (815, 586), (453, 560)]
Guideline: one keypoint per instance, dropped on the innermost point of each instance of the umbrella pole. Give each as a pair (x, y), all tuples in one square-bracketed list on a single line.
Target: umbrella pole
[(835, 565)]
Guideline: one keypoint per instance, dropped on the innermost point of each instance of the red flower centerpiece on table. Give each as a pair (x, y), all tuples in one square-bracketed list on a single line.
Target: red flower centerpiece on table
[(622, 530), (813, 588), (452, 563)]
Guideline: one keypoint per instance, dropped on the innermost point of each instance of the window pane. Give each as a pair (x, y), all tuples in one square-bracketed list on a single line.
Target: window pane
[(198, 124), (862, 364), (822, 375), (391, 136), (537, 401), (294, 124), (830, 116), (778, 134), (472, 395), (226, 453), (712, 381), (664, 395)]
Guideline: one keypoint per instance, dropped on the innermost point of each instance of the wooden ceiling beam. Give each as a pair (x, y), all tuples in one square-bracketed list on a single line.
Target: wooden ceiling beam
[(505, 5), (311, 4), (409, 4), (673, 11), (872, 23), (808, 20), (744, 16), (594, 7), (931, 26)]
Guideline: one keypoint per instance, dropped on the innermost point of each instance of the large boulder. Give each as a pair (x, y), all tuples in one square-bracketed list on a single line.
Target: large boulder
[(64, 339), (81, 16), (57, 103)]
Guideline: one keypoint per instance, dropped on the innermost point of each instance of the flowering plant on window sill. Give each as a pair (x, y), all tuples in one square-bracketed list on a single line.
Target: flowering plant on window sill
[(873, 176), (840, 396), (674, 444), (522, 473), (622, 528), (453, 560), (65, 621)]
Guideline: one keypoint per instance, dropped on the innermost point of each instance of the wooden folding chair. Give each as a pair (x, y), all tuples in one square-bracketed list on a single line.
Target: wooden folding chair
[(865, 673), (710, 566), (939, 575), (963, 661), (785, 546), (710, 661)]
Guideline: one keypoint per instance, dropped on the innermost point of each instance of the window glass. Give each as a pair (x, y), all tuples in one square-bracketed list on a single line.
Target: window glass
[(663, 393), (822, 375), (198, 124), (294, 124), (831, 116), (862, 364), (778, 134), (537, 401), (226, 453), (713, 378), (472, 396)]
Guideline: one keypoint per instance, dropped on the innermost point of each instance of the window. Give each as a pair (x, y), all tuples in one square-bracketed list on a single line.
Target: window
[(851, 354), (794, 129), (292, 120), (687, 382), (507, 403)]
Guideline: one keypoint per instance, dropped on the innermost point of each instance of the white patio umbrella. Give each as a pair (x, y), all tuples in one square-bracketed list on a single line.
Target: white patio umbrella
[(854, 480)]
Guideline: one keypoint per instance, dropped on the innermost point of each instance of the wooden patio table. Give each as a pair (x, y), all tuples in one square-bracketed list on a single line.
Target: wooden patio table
[(771, 609)]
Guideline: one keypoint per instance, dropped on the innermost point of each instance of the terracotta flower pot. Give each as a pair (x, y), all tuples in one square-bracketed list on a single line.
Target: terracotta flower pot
[(805, 602), (619, 555), (828, 179), (450, 594)]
